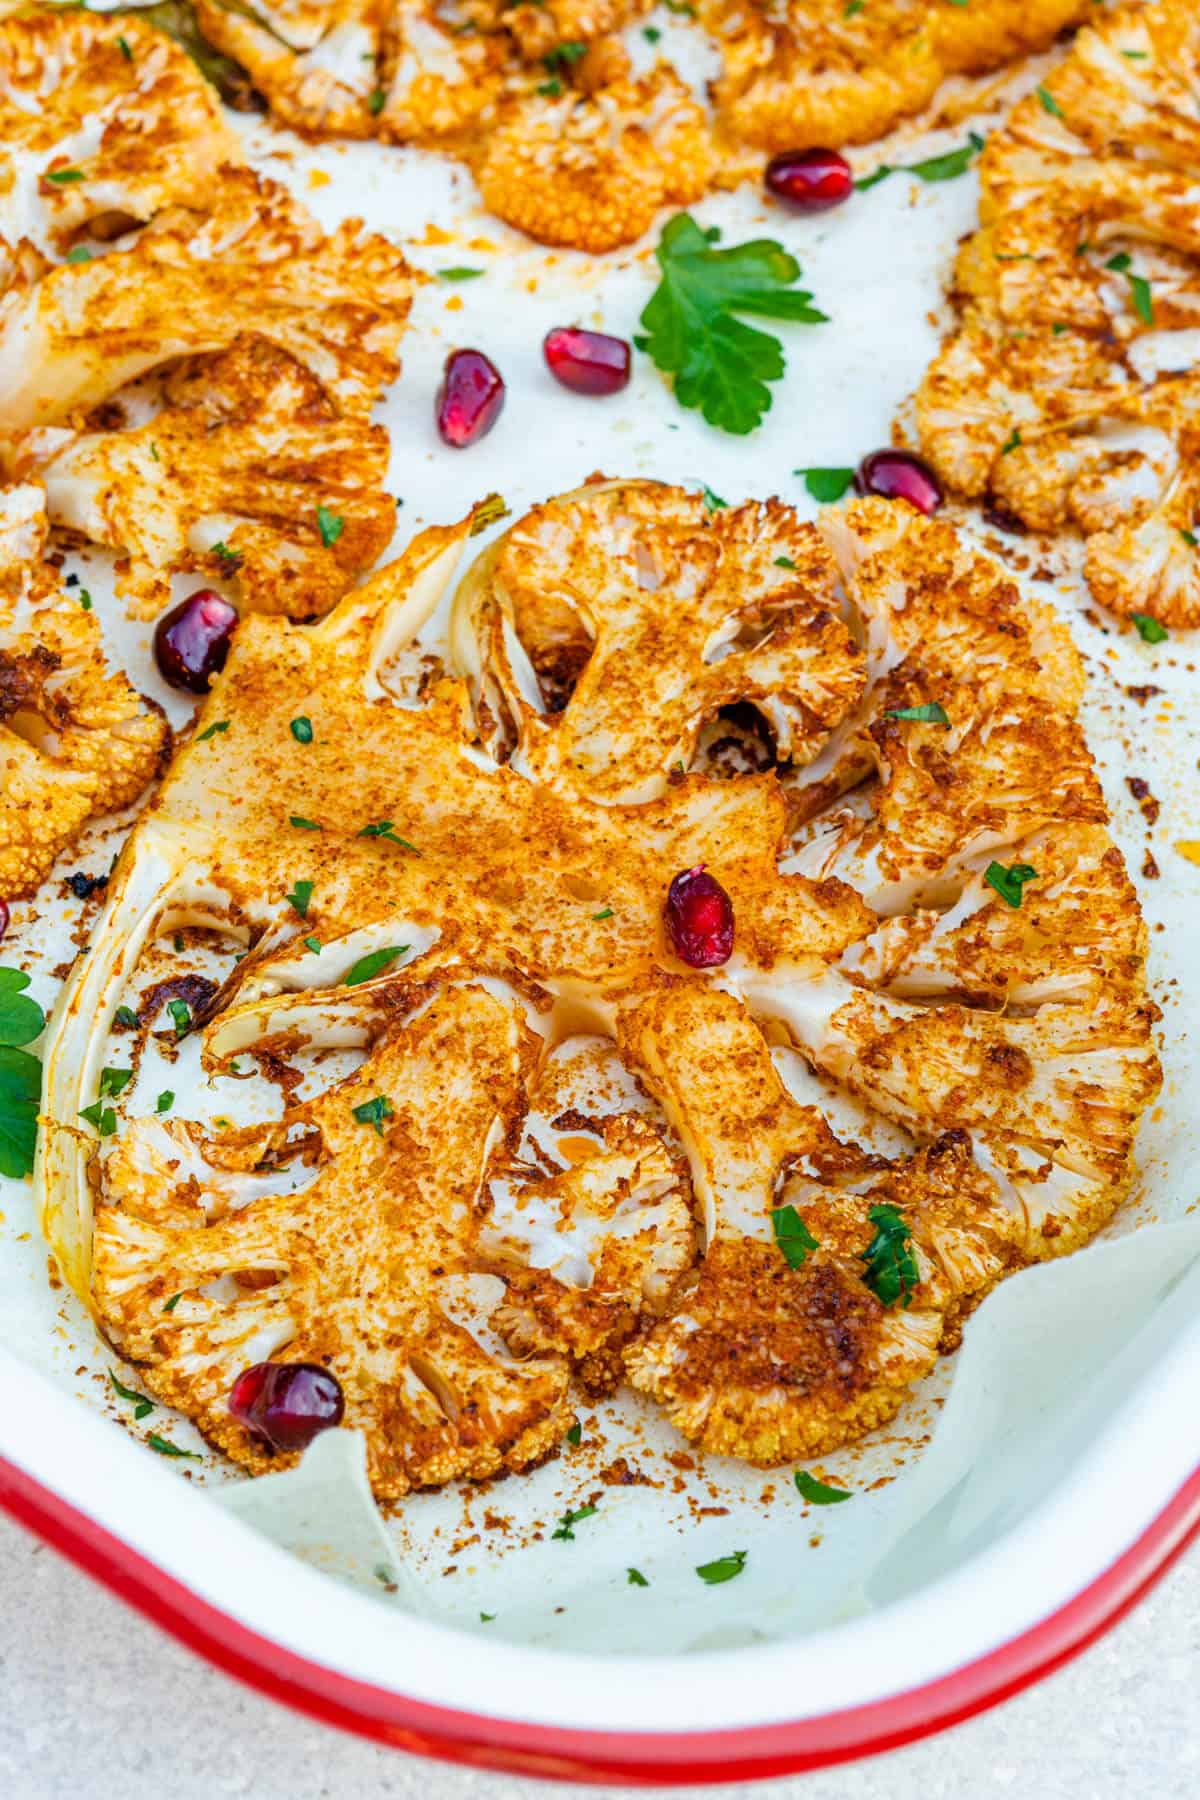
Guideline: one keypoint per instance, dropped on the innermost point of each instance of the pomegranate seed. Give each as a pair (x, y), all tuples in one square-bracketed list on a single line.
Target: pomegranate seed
[(699, 916), (4, 917), (470, 398), (287, 1404), (191, 641), (899, 475), (810, 181), (587, 362)]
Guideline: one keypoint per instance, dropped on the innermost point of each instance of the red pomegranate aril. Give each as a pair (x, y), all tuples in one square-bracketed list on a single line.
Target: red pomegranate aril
[(4, 917), (899, 475), (287, 1404), (699, 916), (470, 398), (587, 362), (191, 642), (810, 181)]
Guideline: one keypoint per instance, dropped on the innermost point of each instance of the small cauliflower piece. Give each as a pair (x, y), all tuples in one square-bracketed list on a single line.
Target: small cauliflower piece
[(587, 1253), (244, 453), (606, 628), (366, 1266), (592, 171), (76, 739), (1066, 392), (439, 85), (94, 137), (314, 65), (257, 264)]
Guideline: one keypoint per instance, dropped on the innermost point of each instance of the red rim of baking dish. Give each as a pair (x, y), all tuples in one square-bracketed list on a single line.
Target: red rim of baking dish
[(641, 1758)]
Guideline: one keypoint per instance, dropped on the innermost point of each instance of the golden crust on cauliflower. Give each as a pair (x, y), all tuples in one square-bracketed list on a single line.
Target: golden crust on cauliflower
[(314, 66), (227, 481), (258, 264), (591, 171), (919, 916), (103, 123), (365, 1265), (1057, 395), (76, 739)]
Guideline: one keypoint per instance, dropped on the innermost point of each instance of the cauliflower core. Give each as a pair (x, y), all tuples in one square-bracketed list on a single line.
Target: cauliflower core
[(573, 1156), (1065, 393), (75, 738)]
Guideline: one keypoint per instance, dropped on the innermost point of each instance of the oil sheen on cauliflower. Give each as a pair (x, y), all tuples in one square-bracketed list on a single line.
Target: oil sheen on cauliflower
[(636, 1173), (75, 738), (1066, 392)]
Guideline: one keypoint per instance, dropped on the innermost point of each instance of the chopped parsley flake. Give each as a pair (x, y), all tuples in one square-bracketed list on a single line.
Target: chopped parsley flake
[(564, 55), (102, 1117), (165, 1447), (635, 1578), (792, 1235), (165, 1101), (374, 1112), (892, 1272), (313, 944), (784, 562), (141, 1406), (1149, 629), (123, 47), (331, 526), (826, 485), (61, 176), (564, 1531), (1011, 442), (723, 1569), (304, 824), (114, 1082), (605, 913), (946, 167), (721, 366), (172, 1303), (383, 829), (817, 1493), (376, 101), (125, 1015), (301, 729), (1009, 882), (486, 1618), (932, 712), (575, 1434), (212, 730), (852, 8), (232, 559), (1049, 103), (651, 33), (85, 599), (181, 1015), (79, 253), (1189, 538), (460, 272), (373, 964), (299, 897), (712, 502)]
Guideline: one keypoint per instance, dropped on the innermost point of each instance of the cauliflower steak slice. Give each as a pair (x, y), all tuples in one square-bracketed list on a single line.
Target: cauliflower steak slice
[(1065, 393), (76, 739), (367, 1267)]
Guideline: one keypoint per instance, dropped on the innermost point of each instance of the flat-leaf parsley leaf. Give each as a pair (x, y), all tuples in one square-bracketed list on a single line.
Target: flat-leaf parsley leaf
[(723, 1569), (720, 365), (817, 1493), (1008, 883), (792, 1235)]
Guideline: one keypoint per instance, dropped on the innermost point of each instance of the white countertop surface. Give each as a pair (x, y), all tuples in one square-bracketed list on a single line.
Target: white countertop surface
[(95, 1704)]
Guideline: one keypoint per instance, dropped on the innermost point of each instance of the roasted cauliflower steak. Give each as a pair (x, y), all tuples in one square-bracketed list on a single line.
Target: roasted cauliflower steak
[(76, 739), (1065, 392), (625, 1170)]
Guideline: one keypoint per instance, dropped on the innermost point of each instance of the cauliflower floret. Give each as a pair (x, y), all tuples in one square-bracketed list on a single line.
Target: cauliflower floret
[(592, 171), (103, 123), (314, 65), (983, 35), (259, 263), (589, 1251), (366, 1265), (767, 1357), (243, 459), (439, 83), (539, 26), (1061, 394), (75, 738), (607, 627), (1052, 1101), (816, 77)]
